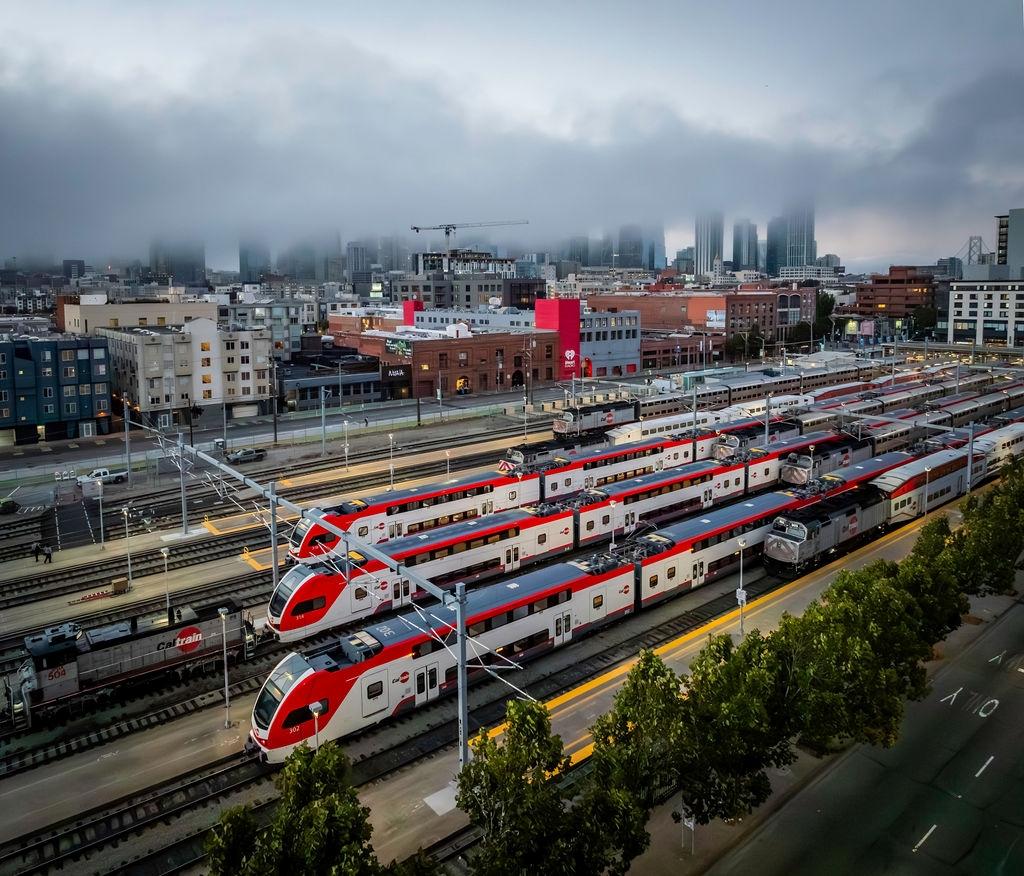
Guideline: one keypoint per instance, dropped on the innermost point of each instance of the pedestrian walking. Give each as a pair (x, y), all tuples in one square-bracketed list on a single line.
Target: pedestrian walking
[(37, 549), (47, 555), (366, 422)]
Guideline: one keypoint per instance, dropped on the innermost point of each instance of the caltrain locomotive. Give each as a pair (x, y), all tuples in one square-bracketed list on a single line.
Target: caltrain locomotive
[(394, 666), (72, 665)]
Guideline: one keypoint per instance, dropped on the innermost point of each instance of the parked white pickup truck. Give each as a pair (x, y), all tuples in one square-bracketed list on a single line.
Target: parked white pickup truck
[(105, 475)]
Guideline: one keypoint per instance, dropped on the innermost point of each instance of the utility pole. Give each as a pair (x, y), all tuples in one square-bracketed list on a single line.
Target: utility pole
[(767, 416), (127, 437), (181, 475), (224, 424), (323, 421), (273, 390), (462, 675), (970, 456), (272, 489)]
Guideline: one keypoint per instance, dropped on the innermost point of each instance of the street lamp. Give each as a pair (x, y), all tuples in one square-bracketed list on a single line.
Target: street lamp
[(223, 612), (345, 425), (128, 544), (167, 592), (741, 594), (927, 476), (316, 708), (612, 506), (391, 460), (525, 400), (448, 463)]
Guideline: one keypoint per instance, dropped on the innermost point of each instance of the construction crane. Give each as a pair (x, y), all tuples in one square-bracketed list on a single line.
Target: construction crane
[(449, 228)]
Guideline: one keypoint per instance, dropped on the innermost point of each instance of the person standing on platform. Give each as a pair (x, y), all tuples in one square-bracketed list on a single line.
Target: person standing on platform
[(47, 555), (37, 549)]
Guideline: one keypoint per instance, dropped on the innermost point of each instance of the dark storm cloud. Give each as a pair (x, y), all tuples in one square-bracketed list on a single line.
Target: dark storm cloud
[(296, 138)]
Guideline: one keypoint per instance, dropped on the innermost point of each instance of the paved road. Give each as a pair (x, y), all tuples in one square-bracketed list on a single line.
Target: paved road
[(948, 798)]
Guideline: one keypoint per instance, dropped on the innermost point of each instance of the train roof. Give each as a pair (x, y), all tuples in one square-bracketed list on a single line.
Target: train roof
[(797, 442), (615, 450), (1011, 416), (993, 437), (867, 468), (764, 505), (412, 625), (896, 477), (451, 485), (828, 505), (72, 637), (657, 478)]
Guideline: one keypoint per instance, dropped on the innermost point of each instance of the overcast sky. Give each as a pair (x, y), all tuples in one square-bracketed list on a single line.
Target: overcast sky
[(903, 118)]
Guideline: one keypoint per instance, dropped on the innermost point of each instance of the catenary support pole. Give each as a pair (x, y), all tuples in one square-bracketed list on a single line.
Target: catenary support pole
[(460, 619), (272, 489), (127, 437), (181, 476)]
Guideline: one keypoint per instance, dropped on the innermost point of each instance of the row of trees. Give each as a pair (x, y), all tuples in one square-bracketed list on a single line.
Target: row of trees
[(841, 672)]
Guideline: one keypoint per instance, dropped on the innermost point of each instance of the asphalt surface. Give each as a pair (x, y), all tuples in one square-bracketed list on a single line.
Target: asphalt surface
[(948, 798)]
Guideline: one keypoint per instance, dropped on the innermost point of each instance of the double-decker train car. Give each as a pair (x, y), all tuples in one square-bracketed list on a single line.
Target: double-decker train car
[(395, 513), (802, 539), (70, 666)]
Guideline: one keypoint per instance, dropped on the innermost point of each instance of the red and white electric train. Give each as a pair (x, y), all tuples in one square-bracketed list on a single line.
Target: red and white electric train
[(406, 661), (312, 598)]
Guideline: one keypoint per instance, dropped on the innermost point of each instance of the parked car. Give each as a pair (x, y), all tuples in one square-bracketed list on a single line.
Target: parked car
[(8, 506), (247, 454), (105, 475)]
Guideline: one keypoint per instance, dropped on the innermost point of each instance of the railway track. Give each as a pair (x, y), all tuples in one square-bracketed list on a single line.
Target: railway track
[(373, 753)]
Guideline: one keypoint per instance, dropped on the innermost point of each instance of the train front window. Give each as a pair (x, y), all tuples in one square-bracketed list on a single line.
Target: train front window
[(285, 588), (274, 689), (301, 528)]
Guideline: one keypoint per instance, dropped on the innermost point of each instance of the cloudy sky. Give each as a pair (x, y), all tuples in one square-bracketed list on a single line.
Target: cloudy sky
[(903, 118)]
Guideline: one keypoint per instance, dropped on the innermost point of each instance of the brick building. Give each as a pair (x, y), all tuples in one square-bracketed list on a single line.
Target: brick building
[(897, 293)]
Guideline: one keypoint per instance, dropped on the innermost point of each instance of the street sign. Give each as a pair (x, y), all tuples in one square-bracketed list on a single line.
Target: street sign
[(741, 596)]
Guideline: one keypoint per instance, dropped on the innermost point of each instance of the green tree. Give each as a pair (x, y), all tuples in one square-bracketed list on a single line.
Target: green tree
[(924, 317), (824, 305), (505, 791), (985, 547), (319, 826), (737, 723)]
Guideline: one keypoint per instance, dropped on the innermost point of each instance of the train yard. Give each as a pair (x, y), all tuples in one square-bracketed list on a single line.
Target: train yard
[(156, 754)]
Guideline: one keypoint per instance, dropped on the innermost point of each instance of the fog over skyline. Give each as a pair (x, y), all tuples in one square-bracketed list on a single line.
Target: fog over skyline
[(122, 122)]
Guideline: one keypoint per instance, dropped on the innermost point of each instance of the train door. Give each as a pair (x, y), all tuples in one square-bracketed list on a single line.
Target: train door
[(511, 558), (426, 684), (395, 529), (588, 482), (698, 574), (708, 496), (400, 592), (374, 694), (487, 506), (629, 522), (563, 627)]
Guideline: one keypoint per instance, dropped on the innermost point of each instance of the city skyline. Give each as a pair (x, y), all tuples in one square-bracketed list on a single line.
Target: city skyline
[(193, 128)]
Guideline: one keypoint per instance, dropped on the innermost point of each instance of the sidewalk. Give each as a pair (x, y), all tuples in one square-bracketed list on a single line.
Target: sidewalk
[(669, 851)]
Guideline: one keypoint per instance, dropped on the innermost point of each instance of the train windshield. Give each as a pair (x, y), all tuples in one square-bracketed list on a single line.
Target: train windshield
[(285, 588), (274, 689), (301, 528), (789, 529)]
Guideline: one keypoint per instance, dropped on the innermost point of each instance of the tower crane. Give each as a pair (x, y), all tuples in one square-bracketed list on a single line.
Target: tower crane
[(449, 228)]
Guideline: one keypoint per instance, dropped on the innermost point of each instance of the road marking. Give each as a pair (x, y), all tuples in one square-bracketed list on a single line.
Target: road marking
[(951, 697), (985, 764), (998, 658), (921, 841)]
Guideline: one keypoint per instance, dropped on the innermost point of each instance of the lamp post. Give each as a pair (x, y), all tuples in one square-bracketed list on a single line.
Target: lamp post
[(99, 493), (223, 612), (128, 544), (391, 460), (125, 410), (167, 590), (927, 476), (316, 708), (448, 463), (323, 421), (345, 425), (612, 506), (525, 400), (767, 415), (741, 594)]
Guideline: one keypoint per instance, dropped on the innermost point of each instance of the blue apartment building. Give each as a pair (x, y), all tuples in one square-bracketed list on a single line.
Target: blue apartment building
[(53, 387)]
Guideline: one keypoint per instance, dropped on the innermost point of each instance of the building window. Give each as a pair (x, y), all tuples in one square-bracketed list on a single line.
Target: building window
[(3, 358), (84, 389), (102, 404), (143, 321), (204, 362), (205, 346), (47, 392), (207, 393), (99, 353), (207, 379), (100, 369), (83, 354), (67, 355), (70, 407), (69, 392), (47, 409), (99, 388), (3, 395)]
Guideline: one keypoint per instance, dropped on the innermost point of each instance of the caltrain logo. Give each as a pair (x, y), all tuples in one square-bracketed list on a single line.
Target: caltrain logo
[(380, 525), (565, 531), (625, 590), (403, 678), (609, 417), (188, 639)]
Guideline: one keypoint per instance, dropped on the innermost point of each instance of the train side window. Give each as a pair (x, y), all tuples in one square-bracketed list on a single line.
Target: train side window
[(309, 605), (598, 601), (511, 494), (567, 481), (542, 538), (421, 682), (652, 581), (359, 593), (476, 629), (301, 715), (364, 531), (554, 486), (605, 520), (590, 526), (374, 690), (565, 595), (521, 612), (671, 573)]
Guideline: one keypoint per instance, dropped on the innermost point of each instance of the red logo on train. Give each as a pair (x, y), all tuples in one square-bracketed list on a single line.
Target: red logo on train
[(404, 677), (188, 639)]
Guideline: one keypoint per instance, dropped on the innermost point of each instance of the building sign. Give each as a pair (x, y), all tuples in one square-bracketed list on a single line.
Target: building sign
[(398, 347), (563, 316), (715, 319), (396, 372)]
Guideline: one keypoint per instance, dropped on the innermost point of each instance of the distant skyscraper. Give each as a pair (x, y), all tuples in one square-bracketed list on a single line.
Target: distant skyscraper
[(357, 258), (654, 248), (775, 248), (579, 250), (298, 262), (253, 260), (762, 255), (74, 268), (744, 245), (183, 261), (631, 247), (801, 247), (709, 231), (605, 251)]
